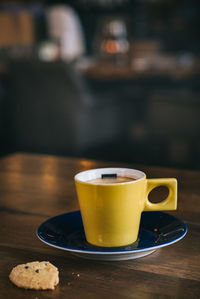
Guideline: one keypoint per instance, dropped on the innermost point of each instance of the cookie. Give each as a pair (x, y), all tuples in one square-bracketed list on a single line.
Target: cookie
[(35, 275)]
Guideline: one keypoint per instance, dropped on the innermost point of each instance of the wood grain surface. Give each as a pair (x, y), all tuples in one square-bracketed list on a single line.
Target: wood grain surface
[(36, 187)]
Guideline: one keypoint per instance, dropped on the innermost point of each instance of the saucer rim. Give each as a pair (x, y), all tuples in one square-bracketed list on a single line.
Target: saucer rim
[(81, 251)]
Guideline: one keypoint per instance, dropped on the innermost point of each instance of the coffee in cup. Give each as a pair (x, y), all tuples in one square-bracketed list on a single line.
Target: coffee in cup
[(112, 178)]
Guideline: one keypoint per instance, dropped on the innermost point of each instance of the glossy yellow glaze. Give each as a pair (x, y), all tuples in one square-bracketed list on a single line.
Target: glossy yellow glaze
[(111, 213)]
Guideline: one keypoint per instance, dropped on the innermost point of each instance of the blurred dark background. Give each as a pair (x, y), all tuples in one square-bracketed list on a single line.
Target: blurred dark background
[(106, 79)]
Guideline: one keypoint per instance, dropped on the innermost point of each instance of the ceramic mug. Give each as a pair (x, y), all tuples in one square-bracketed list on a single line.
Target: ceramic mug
[(111, 212)]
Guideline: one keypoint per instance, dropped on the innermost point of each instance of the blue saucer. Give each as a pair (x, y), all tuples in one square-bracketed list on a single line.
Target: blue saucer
[(157, 229)]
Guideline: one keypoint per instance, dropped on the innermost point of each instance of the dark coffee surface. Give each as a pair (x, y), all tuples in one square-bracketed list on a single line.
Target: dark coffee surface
[(111, 180)]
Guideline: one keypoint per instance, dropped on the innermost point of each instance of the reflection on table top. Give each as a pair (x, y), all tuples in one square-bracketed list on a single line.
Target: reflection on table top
[(36, 187)]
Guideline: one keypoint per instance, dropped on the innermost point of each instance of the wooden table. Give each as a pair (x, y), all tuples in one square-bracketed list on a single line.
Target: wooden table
[(35, 187)]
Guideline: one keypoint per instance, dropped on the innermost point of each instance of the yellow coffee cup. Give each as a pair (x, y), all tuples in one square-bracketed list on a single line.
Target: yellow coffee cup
[(111, 201)]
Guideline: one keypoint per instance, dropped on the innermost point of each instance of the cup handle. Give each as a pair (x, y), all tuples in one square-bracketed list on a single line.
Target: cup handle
[(170, 203)]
